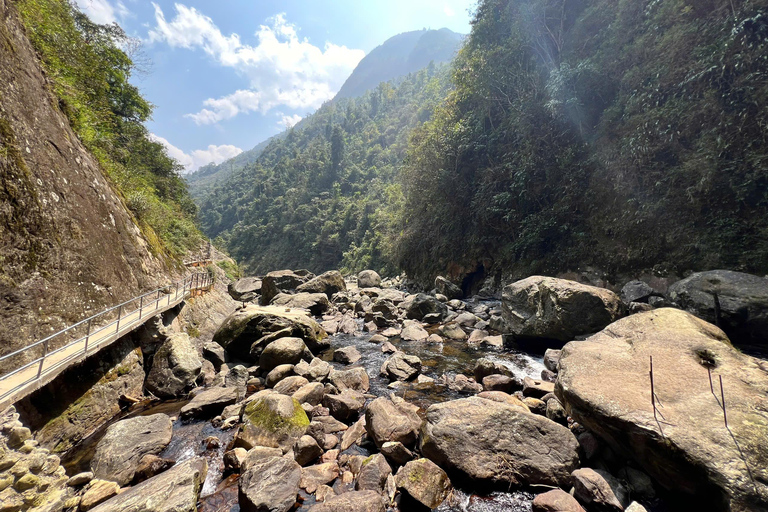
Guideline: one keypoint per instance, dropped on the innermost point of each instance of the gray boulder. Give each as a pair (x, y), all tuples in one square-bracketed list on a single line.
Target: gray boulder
[(281, 281), (557, 309), (245, 289), (392, 420), (270, 485), (401, 366), (346, 355), (209, 403), (354, 378), (418, 306), (636, 291), (498, 444), (272, 420), (413, 331), (447, 288), (741, 309), (329, 283), (118, 453), (368, 279), (346, 405), (424, 481), (283, 351), (175, 367), (315, 303)]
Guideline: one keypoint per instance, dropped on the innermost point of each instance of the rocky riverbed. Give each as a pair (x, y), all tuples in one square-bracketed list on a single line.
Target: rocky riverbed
[(320, 394)]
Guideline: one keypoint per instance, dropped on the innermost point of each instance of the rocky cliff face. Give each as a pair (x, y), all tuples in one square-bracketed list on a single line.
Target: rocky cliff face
[(68, 245)]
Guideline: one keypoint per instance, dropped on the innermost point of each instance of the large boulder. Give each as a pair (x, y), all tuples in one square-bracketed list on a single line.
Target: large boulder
[(557, 309), (354, 501), (401, 366), (175, 490), (283, 351), (175, 367), (245, 289), (392, 420), (209, 403), (270, 485), (248, 325), (498, 444), (447, 288), (273, 420), (328, 283), (424, 481), (281, 281), (741, 309), (126, 442), (315, 303), (420, 305), (368, 279), (604, 384)]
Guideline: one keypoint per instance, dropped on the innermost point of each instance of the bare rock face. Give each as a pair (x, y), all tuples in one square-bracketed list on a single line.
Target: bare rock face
[(557, 309), (270, 485), (604, 384), (120, 450), (742, 304), (248, 325), (498, 444), (175, 367)]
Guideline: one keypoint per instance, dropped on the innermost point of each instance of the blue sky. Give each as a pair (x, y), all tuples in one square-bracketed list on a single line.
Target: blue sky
[(226, 75)]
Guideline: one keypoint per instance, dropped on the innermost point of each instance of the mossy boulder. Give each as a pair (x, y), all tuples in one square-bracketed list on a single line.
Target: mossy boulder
[(272, 420), (423, 481), (175, 367)]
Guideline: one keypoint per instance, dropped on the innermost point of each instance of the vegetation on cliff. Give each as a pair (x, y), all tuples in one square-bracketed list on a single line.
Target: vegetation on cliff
[(89, 66)]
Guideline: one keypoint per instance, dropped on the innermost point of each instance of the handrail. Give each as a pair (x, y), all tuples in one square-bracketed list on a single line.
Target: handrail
[(100, 330)]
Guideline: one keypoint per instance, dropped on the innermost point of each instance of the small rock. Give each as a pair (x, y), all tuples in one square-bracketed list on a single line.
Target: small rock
[(501, 383), (98, 491), (396, 452), (306, 450), (599, 489), (373, 474), (401, 366), (377, 338), (552, 359), (80, 479), (388, 348), (537, 388), (346, 355), (233, 459), (556, 500), (346, 405)]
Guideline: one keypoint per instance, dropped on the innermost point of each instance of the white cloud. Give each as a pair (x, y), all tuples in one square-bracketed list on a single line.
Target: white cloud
[(103, 11), (199, 157), (449, 11), (288, 121), (281, 69)]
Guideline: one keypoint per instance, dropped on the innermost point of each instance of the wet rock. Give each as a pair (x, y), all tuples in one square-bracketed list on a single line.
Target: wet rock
[(612, 368), (209, 403), (306, 450), (346, 405), (537, 388), (283, 351), (636, 291), (346, 355), (252, 324), (557, 309), (418, 306), (599, 490), (413, 331), (315, 303), (452, 331), (281, 281), (118, 453), (501, 383), (495, 443), (388, 348), (401, 366), (175, 367), (269, 485), (556, 500), (354, 378), (742, 303), (424, 482), (311, 393), (98, 491), (485, 367), (392, 420), (354, 501), (272, 420), (368, 279), (328, 283)]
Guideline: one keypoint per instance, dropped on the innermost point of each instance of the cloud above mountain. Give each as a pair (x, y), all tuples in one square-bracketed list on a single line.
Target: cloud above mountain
[(280, 69), (199, 157)]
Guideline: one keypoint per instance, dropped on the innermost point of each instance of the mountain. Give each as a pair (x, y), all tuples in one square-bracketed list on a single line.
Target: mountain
[(399, 55)]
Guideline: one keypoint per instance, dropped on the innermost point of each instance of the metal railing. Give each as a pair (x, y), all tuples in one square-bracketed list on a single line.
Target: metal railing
[(91, 334)]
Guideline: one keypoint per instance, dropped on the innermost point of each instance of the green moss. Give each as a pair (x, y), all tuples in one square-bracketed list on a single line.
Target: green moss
[(231, 269), (193, 331), (259, 414)]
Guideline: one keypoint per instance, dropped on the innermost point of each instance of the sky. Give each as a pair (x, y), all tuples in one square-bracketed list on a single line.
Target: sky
[(226, 75)]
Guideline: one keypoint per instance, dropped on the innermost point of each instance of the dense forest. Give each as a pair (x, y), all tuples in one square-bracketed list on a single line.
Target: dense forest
[(325, 195), (625, 135), (90, 66)]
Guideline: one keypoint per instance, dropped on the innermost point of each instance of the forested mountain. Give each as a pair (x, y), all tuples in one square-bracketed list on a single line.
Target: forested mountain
[(400, 55), (621, 134), (321, 196)]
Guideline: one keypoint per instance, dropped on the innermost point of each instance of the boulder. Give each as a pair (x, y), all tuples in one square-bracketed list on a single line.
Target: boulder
[(502, 383), (270, 485), (413, 331), (551, 359), (316, 370), (556, 500), (272, 420), (392, 420), (290, 385), (447, 288), (346, 355), (97, 492), (368, 279), (354, 434), (245, 289), (498, 444), (311, 393), (175, 367), (328, 283), (636, 291), (418, 306), (354, 378), (124, 444), (214, 353), (346, 405), (396, 452), (599, 490), (557, 309), (401, 366), (278, 373), (353, 501), (424, 482), (280, 281), (315, 303), (258, 454), (283, 351), (742, 304), (248, 325), (453, 331), (313, 477), (373, 474), (306, 450), (604, 385), (537, 388), (209, 403), (485, 367), (151, 465)]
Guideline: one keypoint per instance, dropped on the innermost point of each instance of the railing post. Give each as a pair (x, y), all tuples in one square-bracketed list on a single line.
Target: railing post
[(141, 307), (87, 335), (119, 315), (157, 300), (42, 359)]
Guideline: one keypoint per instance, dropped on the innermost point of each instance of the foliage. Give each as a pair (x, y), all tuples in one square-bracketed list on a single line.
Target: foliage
[(323, 196), (90, 71), (231, 269)]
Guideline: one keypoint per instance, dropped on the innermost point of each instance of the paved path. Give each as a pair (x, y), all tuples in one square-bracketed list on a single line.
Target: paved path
[(17, 385)]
